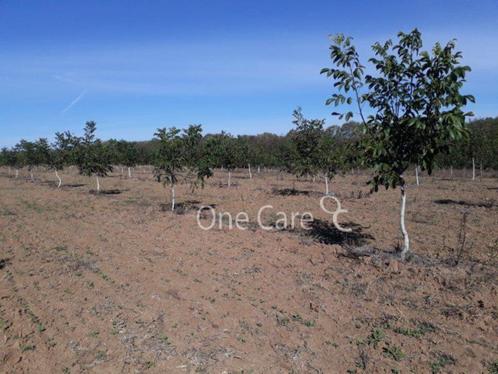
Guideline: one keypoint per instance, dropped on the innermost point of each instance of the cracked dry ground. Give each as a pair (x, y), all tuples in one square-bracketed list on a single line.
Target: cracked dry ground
[(113, 283)]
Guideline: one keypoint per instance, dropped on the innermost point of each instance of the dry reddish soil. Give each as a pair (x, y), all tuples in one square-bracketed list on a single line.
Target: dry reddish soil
[(116, 283)]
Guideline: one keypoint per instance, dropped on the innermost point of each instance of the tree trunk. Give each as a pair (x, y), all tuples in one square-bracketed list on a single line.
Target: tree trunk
[(326, 185), (473, 169), (259, 169), (172, 197), (250, 174), (451, 171), (229, 178), (31, 175), (416, 175), (129, 172), (406, 241), (17, 173), (480, 171), (59, 178), (98, 184)]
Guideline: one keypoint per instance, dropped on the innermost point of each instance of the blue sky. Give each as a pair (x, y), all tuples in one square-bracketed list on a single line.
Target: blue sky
[(241, 66)]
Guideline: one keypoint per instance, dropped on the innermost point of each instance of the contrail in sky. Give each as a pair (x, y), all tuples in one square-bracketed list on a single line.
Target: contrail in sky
[(74, 102)]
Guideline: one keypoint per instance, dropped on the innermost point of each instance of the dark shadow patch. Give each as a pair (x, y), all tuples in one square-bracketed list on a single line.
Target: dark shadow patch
[(107, 192), (327, 233), (292, 192), (4, 262), (73, 185), (482, 204), (191, 202)]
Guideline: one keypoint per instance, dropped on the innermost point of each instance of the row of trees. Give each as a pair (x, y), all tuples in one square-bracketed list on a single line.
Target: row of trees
[(264, 150)]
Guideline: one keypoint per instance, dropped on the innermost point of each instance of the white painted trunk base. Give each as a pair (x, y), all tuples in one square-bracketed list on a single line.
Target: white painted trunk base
[(59, 178), (406, 239)]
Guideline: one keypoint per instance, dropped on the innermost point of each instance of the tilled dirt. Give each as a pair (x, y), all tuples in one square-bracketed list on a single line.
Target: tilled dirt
[(117, 283)]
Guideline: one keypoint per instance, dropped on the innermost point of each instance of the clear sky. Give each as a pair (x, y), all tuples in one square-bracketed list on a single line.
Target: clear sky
[(237, 65)]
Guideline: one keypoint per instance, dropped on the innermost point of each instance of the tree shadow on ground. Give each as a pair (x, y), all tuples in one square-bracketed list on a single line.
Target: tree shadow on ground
[(482, 204), (293, 192), (114, 191), (326, 233), (73, 185)]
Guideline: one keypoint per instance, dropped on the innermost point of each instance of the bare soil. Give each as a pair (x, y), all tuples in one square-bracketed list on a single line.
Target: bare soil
[(116, 282)]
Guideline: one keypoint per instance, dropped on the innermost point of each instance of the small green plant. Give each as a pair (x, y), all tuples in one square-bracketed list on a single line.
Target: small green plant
[(443, 360), (164, 339), (4, 325), (40, 327), (375, 337), (493, 367), (414, 333), (394, 352), (149, 365), (27, 347), (309, 323)]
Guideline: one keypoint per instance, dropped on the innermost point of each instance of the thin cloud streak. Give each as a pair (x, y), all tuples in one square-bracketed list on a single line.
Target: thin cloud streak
[(74, 102)]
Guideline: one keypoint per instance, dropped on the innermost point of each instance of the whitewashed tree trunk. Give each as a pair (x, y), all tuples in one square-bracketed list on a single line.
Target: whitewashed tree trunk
[(473, 169), (229, 178), (406, 239), (31, 175), (250, 174), (259, 169), (17, 173), (172, 197), (326, 185), (59, 178), (416, 175), (129, 172), (98, 184)]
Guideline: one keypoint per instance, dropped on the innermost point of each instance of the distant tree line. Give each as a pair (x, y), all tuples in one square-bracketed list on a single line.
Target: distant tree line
[(480, 145), (308, 149)]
